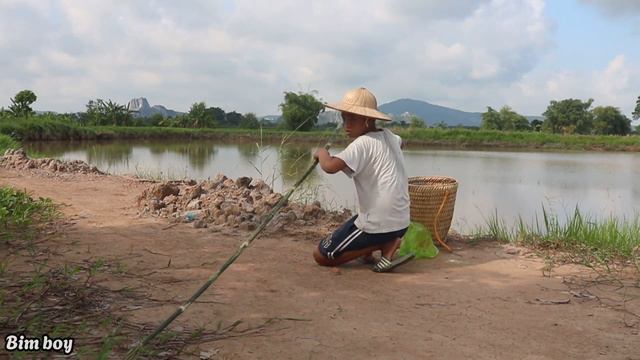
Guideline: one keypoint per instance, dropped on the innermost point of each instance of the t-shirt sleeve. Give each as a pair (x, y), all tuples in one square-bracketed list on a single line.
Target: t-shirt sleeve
[(353, 155)]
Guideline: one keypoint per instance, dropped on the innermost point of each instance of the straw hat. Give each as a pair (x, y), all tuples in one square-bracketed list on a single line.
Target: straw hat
[(360, 101)]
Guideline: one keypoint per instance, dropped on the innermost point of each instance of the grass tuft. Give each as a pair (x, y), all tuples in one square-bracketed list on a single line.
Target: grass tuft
[(20, 215), (7, 142), (600, 239)]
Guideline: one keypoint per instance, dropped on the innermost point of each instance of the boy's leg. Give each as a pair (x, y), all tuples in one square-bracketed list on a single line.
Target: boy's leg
[(388, 249), (349, 243), (344, 257)]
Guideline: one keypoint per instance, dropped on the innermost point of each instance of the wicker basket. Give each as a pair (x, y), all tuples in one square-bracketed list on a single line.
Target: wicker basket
[(432, 202)]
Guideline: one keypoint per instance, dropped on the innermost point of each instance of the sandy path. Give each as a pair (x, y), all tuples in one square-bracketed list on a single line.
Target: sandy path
[(482, 302)]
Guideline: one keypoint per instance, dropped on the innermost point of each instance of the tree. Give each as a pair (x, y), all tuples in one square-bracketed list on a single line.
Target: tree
[(21, 103), (249, 121), (536, 125), (506, 120), (608, 120), (568, 116), (511, 120), (233, 118), (300, 111), (100, 112), (94, 114), (218, 115), (441, 125), (116, 114), (636, 111), (155, 120), (199, 117), (491, 120), (416, 122)]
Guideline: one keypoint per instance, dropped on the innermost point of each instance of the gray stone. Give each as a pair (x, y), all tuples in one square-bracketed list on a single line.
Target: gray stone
[(199, 224), (194, 204), (243, 181)]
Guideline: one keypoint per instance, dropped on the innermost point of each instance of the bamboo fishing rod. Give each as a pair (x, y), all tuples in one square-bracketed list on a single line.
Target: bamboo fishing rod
[(134, 352)]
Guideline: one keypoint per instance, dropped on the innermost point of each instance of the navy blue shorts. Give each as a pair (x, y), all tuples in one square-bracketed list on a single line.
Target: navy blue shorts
[(348, 238)]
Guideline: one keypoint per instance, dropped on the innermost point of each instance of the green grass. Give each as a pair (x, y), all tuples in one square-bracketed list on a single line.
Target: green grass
[(20, 215), (458, 137), (7, 142), (51, 127), (44, 127), (602, 240)]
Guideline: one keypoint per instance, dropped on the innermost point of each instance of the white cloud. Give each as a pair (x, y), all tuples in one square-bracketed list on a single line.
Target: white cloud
[(241, 55), (616, 85), (616, 7)]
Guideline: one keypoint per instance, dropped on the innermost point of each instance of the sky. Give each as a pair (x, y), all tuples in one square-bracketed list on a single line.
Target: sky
[(242, 55)]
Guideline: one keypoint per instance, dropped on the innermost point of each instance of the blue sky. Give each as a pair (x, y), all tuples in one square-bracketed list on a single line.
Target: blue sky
[(242, 55), (584, 32)]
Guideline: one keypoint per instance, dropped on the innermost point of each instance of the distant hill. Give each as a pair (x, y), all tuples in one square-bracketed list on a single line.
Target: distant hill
[(402, 108), (140, 107), (431, 113)]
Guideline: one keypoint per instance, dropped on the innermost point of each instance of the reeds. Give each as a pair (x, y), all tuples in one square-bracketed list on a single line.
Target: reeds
[(603, 238)]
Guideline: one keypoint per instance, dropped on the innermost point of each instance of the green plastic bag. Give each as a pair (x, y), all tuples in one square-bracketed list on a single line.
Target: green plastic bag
[(418, 240)]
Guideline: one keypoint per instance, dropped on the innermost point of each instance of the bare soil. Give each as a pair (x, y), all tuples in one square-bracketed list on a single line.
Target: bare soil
[(483, 301)]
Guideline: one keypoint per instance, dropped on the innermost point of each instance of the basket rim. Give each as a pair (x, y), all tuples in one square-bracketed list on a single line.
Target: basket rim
[(424, 180)]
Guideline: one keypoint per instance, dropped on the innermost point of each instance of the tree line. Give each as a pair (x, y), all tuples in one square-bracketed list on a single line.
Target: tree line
[(568, 116), (99, 112), (300, 112)]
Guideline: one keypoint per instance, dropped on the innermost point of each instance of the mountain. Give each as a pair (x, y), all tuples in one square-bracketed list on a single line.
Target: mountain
[(140, 106), (431, 113), (400, 110)]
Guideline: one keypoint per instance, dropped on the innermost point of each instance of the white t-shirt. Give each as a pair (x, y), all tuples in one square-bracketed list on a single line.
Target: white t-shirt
[(376, 165)]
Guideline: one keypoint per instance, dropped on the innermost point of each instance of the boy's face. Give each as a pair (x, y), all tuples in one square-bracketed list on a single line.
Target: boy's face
[(354, 125)]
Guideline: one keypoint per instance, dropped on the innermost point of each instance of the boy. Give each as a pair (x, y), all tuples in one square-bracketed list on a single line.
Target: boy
[(374, 160)]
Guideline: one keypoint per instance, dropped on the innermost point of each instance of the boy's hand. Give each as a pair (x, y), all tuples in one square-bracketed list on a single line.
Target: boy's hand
[(319, 153), (327, 162)]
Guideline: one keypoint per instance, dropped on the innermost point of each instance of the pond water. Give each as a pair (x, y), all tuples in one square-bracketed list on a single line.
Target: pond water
[(509, 183)]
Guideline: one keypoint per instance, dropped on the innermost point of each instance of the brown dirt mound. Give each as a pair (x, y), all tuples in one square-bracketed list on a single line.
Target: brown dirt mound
[(241, 203), (18, 159)]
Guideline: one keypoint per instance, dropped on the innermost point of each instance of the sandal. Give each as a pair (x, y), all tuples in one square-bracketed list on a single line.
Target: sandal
[(384, 265)]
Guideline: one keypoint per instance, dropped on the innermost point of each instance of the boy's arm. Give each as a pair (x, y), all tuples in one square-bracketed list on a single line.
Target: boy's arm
[(328, 163)]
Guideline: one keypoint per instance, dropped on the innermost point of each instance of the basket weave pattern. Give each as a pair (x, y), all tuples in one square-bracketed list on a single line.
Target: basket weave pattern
[(432, 202)]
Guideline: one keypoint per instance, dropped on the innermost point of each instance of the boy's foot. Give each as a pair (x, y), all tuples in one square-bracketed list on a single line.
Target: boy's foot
[(389, 249), (368, 259), (385, 265)]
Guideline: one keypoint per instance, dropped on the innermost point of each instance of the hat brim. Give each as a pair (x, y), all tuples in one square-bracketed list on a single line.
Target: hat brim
[(359, 110)]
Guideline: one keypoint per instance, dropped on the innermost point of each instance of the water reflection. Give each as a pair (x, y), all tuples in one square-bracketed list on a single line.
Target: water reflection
[(511, 183), (249, 151), (197, 153), (111, 154), (52, 148), (294, 162)]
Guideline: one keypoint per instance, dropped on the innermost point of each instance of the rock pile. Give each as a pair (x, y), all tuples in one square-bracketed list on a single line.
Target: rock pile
[(18, 159), (241, 203)]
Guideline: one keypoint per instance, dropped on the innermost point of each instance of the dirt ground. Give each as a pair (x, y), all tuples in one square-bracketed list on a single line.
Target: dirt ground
[(484, 301)]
